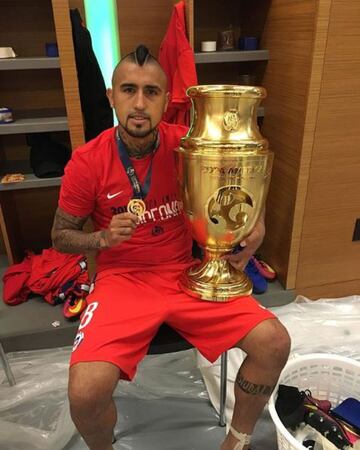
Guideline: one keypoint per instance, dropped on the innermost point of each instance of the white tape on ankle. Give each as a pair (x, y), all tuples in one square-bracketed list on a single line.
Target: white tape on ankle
[(244, 439)]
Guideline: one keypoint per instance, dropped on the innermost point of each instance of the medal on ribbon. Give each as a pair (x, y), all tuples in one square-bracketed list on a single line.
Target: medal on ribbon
[(136, 206)]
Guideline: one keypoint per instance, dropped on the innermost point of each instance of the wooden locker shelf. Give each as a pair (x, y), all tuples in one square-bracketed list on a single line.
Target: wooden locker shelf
[(31, 182), (37, 62), (35, 125), (39, 99), (231, 56)]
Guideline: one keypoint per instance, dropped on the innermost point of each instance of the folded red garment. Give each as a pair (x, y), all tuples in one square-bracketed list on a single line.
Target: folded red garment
[(15, 279), (46, 274), (51, 270)]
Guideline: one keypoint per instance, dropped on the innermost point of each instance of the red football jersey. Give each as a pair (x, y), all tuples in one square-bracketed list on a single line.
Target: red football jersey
[(177, 59), (95, 184)]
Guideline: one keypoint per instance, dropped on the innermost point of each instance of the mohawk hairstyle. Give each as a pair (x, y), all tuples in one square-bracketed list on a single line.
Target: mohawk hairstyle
[(140, 57)]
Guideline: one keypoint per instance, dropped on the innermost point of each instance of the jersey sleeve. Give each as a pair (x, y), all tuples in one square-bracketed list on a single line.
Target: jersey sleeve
[(77, 192)]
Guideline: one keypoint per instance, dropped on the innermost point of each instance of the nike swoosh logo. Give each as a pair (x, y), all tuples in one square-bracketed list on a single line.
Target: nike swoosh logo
[(110, 196)]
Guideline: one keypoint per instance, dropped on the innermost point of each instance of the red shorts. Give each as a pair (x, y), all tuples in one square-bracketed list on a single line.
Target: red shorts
[(125, 311)]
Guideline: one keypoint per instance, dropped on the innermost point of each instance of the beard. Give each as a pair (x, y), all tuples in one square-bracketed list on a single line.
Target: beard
[(137, 131)]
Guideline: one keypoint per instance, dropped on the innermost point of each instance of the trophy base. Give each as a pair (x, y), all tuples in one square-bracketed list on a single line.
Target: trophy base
[(215, 280)]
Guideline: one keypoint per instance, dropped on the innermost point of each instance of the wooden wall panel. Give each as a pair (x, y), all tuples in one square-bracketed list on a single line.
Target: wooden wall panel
[(327, 253), (331, 290), (289, 34), (68, 71), (143, 22), (313, 96), (2, 243), (12, 241), (189, 12)]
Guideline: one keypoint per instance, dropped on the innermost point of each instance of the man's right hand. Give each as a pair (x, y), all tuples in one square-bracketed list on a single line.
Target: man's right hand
[(121, 228), (69, 237)]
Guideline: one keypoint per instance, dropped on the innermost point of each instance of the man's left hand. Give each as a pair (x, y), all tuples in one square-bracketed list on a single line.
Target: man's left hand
[(250, 244)]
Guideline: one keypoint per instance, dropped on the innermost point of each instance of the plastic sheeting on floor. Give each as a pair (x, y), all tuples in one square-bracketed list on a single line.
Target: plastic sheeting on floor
[(166, 407), (34, 413), (322, 326)]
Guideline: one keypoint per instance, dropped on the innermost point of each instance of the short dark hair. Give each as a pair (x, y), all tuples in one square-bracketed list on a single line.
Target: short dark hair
[(140, 56)]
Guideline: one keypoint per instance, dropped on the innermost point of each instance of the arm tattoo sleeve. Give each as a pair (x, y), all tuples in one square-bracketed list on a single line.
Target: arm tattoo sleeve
[(253, 389), (68, 236)]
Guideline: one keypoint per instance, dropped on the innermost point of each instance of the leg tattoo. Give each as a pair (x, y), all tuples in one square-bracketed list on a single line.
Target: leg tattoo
[(253, 389)]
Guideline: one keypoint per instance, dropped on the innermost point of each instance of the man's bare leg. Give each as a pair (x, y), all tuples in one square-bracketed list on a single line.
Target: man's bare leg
[(267, 347), (91, 386)]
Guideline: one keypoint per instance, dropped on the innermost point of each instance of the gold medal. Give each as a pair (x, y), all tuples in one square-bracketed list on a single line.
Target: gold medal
[(136, 206)]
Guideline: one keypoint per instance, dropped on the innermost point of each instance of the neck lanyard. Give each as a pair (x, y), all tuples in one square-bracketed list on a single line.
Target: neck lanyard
[(139, 191)]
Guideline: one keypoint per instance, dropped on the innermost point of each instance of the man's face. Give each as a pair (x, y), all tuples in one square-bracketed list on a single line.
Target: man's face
[(139, 96)]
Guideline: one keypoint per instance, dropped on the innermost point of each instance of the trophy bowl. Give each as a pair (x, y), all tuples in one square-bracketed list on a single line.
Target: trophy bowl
[(224, 169)]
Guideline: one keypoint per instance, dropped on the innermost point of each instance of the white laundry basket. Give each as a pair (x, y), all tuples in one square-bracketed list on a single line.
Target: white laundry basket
[(328, 377)]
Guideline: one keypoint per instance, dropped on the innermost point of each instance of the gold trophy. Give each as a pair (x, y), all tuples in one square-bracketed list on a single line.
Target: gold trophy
[(224, 169)]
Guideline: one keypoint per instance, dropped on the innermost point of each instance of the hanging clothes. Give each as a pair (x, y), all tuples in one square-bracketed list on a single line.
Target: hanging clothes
[(98, 115), (177, 59)]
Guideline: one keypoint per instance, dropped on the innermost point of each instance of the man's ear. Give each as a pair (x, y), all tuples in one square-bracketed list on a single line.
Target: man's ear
[(109, 94)]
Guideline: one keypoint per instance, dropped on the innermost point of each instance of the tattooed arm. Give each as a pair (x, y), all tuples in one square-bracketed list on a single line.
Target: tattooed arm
[(68, 236)]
